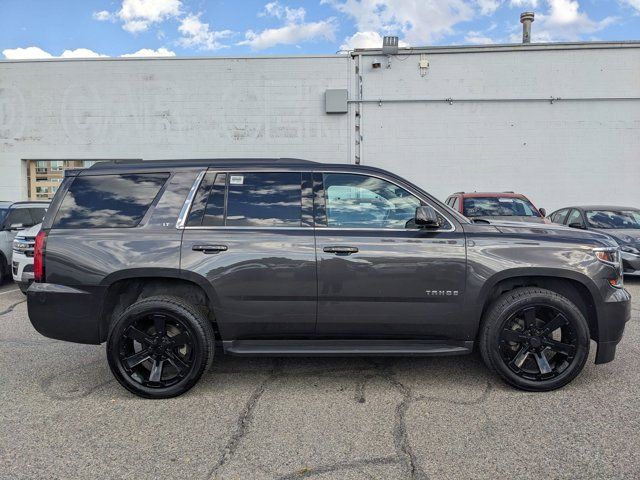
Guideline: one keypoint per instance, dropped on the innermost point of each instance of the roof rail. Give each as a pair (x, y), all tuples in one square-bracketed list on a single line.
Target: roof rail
[(457, 193)]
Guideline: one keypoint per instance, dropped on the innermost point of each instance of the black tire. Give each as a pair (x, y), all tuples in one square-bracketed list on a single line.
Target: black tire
[(161, 334), (519, 339)]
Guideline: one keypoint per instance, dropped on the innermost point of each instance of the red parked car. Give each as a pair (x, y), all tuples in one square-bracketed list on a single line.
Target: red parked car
[(497, 206)]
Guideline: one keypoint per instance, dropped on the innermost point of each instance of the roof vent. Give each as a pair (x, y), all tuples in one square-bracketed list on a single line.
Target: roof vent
[(526, 19), (390, 45)]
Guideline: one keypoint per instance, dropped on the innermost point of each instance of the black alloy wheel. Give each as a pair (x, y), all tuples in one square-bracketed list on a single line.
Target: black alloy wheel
[(160, 346), (535, 339), (538, 342)]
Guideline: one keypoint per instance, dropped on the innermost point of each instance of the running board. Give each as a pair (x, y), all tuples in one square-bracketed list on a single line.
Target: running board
[(340, 348)]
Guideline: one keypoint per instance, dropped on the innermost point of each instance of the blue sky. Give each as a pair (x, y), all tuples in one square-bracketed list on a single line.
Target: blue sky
[(76, 28)]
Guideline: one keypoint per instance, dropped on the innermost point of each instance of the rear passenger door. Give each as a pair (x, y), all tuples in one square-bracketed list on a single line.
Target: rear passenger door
[(250, 234)]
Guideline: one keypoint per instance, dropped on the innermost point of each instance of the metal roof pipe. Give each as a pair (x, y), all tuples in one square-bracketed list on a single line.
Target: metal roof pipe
[(526, 18)]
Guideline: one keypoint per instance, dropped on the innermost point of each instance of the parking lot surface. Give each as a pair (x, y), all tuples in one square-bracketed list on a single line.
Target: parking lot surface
[(62, 415)]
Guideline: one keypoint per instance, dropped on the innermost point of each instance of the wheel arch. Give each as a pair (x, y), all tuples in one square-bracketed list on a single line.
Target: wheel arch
[(578, 288), (125, 287)]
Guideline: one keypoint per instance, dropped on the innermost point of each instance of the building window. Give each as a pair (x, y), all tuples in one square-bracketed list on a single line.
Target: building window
[(44, 176)]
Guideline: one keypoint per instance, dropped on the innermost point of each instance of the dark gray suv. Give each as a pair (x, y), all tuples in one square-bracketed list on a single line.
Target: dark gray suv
[(165, 260)]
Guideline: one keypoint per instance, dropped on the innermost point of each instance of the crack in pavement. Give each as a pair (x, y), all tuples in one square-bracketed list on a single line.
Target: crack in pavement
[(401, 439), (307, 472), (404, 450), (244, 420), (10, 308)]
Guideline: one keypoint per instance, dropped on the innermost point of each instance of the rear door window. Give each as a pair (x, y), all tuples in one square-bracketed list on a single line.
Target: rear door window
[(109, 201), (560, 216), (264, 199), (253, 199)]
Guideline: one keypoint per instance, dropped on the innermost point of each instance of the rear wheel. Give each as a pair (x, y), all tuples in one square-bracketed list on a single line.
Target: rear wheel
[(535, 339), (160, 346)]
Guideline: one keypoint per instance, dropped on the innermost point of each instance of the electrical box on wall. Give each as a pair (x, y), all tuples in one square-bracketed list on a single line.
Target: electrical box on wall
[(335, 101)]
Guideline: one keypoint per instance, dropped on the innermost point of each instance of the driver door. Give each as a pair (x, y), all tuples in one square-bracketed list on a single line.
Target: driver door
[(379, 276)]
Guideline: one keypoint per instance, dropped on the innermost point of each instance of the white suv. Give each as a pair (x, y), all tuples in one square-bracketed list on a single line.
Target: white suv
[(22, 262), (15, 217)]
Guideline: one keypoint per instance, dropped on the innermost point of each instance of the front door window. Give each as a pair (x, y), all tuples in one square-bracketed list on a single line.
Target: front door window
[(360, 201)]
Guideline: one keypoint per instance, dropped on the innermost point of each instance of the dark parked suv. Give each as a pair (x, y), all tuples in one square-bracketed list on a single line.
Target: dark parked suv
[(165, 260)]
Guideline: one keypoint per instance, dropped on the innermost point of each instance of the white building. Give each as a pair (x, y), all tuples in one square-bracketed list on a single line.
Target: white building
[(558, 122)]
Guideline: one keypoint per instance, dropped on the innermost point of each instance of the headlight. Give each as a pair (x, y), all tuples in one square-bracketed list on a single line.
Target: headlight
[(611, 256), (20, 245)]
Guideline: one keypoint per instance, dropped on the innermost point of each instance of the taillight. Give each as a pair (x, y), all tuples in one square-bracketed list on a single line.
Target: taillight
[(38, 256)]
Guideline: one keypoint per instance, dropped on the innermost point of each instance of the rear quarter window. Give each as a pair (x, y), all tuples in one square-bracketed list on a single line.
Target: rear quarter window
[(108, 201)]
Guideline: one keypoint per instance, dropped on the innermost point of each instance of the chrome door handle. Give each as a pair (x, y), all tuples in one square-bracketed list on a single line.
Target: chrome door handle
[(208, 249), (340, 250)]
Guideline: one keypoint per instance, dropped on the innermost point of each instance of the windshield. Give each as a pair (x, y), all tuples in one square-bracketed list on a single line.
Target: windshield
[(499, 207), (3, 214), (609, 219)]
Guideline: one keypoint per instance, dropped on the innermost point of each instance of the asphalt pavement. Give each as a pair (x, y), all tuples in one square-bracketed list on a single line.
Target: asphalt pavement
[(62, 415)]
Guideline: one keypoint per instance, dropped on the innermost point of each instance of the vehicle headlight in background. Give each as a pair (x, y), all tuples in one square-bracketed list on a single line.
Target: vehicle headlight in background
[(20, 245)]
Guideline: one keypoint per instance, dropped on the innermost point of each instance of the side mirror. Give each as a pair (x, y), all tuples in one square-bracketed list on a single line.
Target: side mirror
[(427, 217), (543, 212), (577, 225)]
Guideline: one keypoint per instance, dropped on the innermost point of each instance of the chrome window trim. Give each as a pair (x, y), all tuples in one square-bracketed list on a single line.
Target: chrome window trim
[(411, 191), (186, 206), (235, 227)]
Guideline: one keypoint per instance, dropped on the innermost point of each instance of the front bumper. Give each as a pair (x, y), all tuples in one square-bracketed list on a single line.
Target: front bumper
[(613, 315), (65, 313), (21, 268)]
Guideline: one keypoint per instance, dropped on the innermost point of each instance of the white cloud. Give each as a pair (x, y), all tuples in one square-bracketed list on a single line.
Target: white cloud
[(102, 16), (524, 3), (195, 33), (81, 53), (148, 52), (488, 7), (632, 3), (25, 53), (564, 21), (275, 9), (295, 30), (418, 22), (290, 34), (477, 38), (138, 15), (37, 52), (365, 40)]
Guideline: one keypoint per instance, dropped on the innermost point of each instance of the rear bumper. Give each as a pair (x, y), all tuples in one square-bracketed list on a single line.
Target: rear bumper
[(64, 313), (613, 316)]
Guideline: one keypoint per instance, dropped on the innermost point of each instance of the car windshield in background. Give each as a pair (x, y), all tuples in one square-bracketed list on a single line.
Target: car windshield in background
[(3, 214), (498, 207), (613, 219)]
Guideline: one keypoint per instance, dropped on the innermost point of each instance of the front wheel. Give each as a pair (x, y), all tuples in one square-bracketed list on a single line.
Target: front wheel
[(159, 347), (535, 339)]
